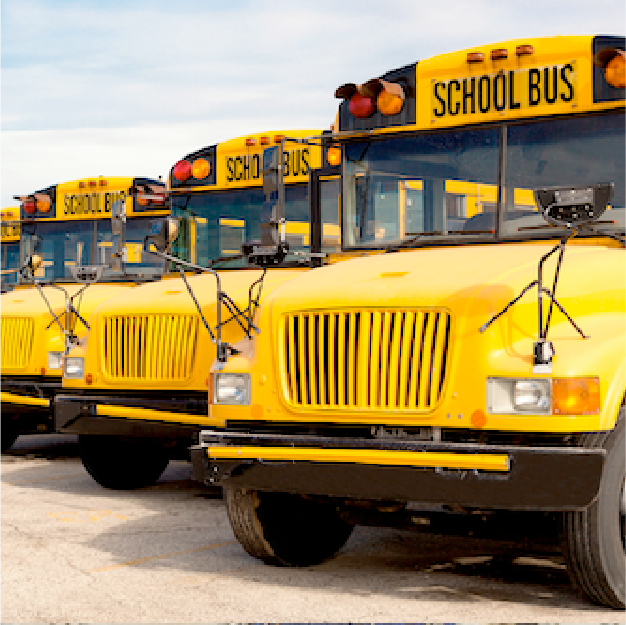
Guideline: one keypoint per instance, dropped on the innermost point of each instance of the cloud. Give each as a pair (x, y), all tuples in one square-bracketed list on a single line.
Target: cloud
[(114, 78)]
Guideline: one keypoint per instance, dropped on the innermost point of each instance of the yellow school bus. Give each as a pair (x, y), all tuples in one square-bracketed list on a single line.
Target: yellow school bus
[(137, 390), (68, 227), (477, 366), (10, 247)]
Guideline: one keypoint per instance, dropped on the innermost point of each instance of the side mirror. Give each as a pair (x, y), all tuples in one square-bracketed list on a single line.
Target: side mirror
[(31, 266), (271, 248), (118, 217), (35, 262), (163, 235)]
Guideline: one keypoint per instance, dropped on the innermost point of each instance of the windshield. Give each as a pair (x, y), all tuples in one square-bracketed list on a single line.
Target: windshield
[(65, 244), (445, 185), (566, 152), (217, 223), (10, 263)]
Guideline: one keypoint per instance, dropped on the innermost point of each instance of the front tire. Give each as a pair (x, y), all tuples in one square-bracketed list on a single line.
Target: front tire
[(122, 463), (284, 529), (594, 539), (9, 434)]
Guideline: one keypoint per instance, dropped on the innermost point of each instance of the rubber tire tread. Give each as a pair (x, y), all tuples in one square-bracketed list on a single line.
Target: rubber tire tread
[(269, 526), (580, 533), (122, 464), (241, 506)]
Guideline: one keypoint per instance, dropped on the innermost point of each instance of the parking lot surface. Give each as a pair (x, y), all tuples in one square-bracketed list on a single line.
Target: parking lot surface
[(73, 551)]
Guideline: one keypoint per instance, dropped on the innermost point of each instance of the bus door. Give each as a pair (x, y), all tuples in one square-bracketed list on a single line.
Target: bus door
[(325, 211)]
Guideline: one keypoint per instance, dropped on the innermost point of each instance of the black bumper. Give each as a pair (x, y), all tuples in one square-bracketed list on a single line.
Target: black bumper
[(77, 414), (539, 478), (26, 416)]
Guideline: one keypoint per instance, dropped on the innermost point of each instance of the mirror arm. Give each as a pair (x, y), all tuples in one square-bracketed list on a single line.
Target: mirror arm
[(195, 301), (45, 299)]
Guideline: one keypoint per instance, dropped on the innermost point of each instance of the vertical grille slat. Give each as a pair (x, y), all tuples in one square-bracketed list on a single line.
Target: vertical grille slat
[(366, 360), (332, 355), (341, 359), (17, 341), (425, 359), (374, 393), (149, 348)]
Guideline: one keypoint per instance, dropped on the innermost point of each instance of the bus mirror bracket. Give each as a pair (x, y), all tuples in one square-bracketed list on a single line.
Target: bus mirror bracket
[(272, 247), (578, 209), (118, 229), (242, 317)]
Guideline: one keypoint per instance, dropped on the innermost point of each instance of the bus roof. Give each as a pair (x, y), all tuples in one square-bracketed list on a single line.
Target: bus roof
[(237, 162), (93, 198), (508, 80)]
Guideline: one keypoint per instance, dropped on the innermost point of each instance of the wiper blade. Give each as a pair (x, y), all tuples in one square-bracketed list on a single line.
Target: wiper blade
[(418, 235), (549, 225), (225, 259)]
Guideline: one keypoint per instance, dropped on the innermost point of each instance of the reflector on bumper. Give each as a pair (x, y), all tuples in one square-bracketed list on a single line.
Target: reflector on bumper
[(381, 457), (12, 398)]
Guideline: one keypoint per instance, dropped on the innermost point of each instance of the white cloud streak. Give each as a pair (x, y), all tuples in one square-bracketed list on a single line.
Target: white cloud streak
[(111, 87)]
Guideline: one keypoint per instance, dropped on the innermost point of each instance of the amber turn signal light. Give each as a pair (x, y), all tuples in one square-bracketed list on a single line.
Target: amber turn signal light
[(200, 168), (614, 72), (333, 156), (576, 396)]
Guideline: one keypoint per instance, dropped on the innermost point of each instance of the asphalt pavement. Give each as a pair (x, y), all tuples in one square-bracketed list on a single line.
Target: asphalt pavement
[(73, 551)]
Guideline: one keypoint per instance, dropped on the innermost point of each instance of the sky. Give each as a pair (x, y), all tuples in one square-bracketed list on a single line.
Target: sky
[(127, 88)]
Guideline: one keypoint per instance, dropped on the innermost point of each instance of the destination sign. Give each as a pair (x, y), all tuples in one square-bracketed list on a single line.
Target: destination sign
[(506, 91), (90, 203), (247, 167)]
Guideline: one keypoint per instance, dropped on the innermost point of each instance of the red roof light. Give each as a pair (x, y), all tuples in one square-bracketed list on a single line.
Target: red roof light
[(182, 171), (361, 106)]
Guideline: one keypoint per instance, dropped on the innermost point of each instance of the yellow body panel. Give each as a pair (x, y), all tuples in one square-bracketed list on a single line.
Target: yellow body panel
[(470, 283)]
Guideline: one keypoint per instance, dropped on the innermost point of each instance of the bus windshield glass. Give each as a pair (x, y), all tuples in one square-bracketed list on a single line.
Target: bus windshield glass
[(10, 263), (409, 186), (438, 186), (215, 224), (567, 152), (90, 242)]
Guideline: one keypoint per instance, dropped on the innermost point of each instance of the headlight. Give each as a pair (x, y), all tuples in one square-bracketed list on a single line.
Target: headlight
[(55, 360), (232, 388), (521, 396), (74, 368)]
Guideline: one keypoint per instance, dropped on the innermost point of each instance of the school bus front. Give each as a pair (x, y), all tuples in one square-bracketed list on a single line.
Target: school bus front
[(67, 226), (144, 372), (476, 365)]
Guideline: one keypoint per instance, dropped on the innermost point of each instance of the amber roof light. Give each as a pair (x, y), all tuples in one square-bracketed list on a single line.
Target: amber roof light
[(475, 57), (524, 50)]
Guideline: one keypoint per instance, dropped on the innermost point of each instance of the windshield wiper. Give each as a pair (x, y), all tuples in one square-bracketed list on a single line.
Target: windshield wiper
[(419, 235), (587, 231)]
